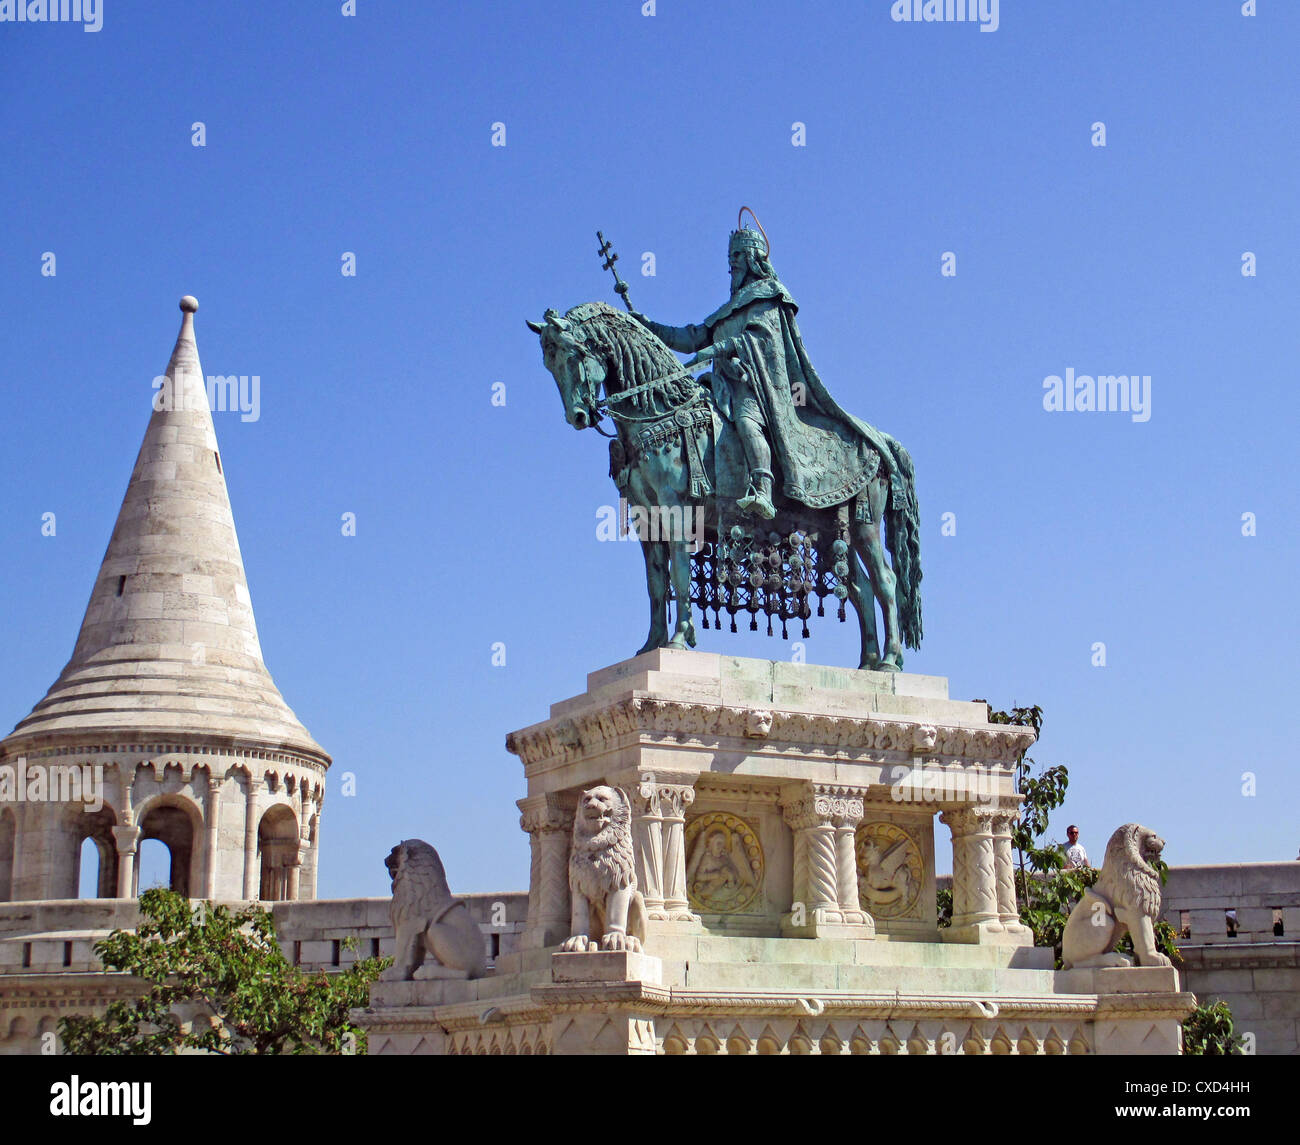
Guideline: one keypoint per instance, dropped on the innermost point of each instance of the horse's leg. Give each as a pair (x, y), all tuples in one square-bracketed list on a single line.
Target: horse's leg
[(655, 553), (684, 630), (679, 520), (656, 582), (869, 547), (864, 604)]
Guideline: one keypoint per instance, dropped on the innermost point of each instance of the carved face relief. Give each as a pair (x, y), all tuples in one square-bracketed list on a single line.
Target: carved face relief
[(724, 869), (599, 807), (1152, 845)]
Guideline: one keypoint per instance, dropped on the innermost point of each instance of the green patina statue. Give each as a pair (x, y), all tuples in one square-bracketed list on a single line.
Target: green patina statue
[(792, 491)]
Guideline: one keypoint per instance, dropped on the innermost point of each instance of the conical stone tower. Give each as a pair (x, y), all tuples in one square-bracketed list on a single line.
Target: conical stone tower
[(165, 723)]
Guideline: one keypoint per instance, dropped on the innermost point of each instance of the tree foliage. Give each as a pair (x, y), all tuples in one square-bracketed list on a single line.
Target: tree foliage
[(1208, 1030), (1046, 889), (218, 982)]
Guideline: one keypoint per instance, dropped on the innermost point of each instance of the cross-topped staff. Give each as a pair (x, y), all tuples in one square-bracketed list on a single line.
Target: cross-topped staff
[(607, 253)]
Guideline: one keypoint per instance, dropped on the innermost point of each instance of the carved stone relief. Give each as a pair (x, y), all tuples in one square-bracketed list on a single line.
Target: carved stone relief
[(725, 864)]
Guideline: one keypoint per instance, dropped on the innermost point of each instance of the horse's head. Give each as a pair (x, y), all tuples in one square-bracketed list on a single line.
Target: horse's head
[(577, 371)]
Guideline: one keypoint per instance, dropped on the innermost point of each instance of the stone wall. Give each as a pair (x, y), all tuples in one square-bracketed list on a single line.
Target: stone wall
[(48, 966), (1253, 965), (1257, 972)]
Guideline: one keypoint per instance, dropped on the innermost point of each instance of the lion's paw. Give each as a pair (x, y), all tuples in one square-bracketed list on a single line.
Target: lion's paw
[(618, 940), (578, 944), (1158, 959)]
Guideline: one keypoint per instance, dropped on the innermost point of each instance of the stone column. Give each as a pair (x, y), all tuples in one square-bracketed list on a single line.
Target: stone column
[(825, 870), (845, 823), (1004, 868), (211, 815), (674, 798), (313, 867), (549, 823), (975, 915), (648, 846), (127, 840), (294, 876), (252, 876), (659, 803)]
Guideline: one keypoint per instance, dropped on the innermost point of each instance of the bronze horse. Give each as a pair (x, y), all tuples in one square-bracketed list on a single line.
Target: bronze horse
[(603, 361)]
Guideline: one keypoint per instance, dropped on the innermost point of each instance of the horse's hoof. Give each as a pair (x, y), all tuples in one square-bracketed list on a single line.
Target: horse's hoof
[(888, 666), (870, 664)]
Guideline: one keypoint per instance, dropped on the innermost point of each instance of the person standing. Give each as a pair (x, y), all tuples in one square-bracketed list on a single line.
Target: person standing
[(1075, 855)]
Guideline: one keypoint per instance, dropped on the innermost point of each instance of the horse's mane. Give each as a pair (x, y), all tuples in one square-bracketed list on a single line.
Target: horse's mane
[(632, 355)]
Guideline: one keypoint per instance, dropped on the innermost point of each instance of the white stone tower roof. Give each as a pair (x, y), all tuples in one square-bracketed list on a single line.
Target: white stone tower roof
[(168, 646)]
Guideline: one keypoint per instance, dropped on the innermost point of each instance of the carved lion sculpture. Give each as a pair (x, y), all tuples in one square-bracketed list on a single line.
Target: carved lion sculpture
[(430, 923), (1125, 899), (608, 911)]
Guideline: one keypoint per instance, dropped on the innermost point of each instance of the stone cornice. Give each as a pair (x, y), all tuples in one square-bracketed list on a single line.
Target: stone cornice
[(569, 737), (514, 1010), (51, 989), (549, 998), (187, 755)]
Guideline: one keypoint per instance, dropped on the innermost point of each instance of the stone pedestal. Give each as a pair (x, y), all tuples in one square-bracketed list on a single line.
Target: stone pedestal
[(775, 799), (783, 838)]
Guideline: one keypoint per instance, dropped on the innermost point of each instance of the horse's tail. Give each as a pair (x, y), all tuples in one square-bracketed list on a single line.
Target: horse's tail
[(903, 539)]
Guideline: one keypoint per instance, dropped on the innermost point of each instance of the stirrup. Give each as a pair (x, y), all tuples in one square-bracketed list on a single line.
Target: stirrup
[(755, 501)]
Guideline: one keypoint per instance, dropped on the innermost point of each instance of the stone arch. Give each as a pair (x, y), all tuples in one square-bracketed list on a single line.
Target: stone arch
[(277, 849), (97, 828), (8, 843), (176, 821)]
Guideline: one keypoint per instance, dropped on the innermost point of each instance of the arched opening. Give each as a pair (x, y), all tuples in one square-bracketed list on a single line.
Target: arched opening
[(277, 845), (96, 855), (173, 825), (153, 865), (8, 836)]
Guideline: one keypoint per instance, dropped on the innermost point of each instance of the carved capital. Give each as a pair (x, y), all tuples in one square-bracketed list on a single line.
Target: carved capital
[(657, 795), (821, 805), (969, 820), (545, 813), (675, 798), (127, 839)]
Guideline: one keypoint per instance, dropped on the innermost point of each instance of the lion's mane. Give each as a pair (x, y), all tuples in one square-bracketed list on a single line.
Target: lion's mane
[(1128, 880), (601, 859), (420, 889)]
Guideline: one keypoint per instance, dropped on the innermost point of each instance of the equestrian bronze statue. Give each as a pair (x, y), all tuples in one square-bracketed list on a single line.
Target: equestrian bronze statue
[(793, 493)]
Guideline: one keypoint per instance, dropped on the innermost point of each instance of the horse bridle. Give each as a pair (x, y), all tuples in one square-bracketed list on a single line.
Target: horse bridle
[(598, 410)]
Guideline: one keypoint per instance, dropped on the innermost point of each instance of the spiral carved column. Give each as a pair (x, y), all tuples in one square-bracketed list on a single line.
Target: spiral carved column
[(1005, 875), (975, 913), (825, 904)]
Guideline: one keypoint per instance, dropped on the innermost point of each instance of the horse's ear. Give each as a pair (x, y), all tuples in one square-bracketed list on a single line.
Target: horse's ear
[(535, 327), (553, 318)]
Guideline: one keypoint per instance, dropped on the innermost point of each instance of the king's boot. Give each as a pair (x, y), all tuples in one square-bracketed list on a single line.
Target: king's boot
[(758, 499)]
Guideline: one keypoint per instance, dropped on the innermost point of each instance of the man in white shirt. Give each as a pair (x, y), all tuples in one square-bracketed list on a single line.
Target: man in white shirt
[(1075, 855)]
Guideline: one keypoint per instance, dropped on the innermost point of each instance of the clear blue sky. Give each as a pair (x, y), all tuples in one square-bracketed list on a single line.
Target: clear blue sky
[(476, 523)]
